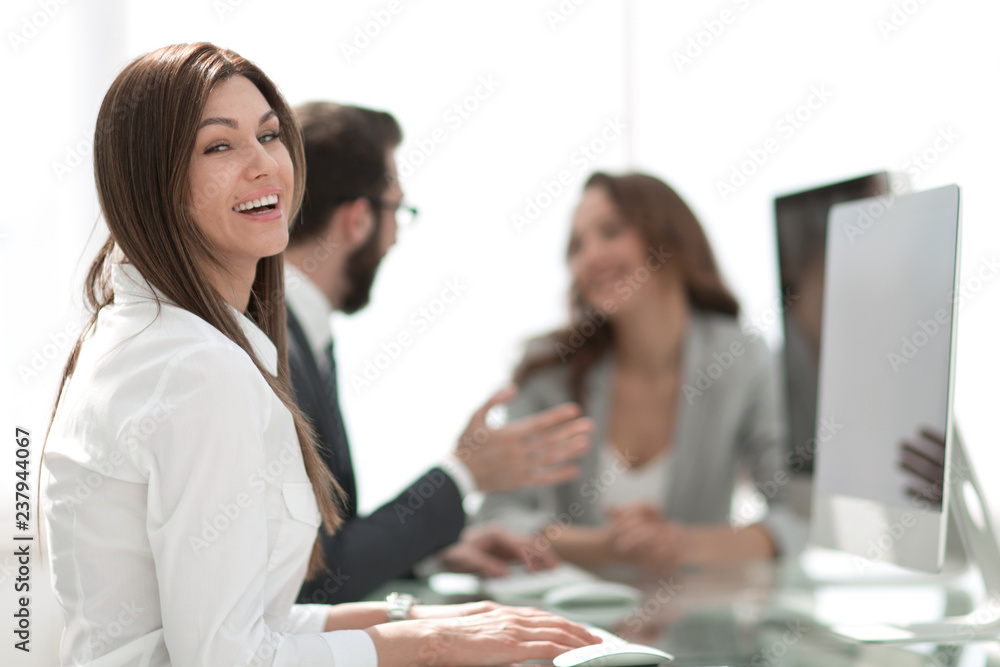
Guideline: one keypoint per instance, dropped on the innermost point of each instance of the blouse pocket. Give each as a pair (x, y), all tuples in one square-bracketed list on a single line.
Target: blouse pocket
[(300, 501), (298, 528)]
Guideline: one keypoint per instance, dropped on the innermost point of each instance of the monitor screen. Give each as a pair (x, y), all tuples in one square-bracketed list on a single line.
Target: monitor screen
[(801, 219), (886, 375)]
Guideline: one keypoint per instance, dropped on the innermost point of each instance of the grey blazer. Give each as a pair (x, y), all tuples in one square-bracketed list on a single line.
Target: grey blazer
[(729, 413)]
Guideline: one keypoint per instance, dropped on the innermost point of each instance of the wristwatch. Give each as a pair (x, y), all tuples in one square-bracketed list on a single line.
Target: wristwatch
[(400, 605)]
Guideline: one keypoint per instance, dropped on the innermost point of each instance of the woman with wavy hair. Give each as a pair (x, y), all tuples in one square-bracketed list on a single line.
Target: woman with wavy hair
[(679, 396), (181, 485)]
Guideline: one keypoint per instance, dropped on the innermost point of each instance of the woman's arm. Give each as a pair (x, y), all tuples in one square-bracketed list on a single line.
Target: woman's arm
[(211, 474), (356, 615), (361, 615), (723, 544), (640, 534), (588, 547)]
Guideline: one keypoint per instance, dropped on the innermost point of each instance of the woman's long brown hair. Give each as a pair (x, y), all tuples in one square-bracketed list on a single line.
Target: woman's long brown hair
[(143, 144), (667, 224)]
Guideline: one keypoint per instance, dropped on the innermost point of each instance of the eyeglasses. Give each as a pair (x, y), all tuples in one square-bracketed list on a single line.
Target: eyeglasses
[(404, 212)]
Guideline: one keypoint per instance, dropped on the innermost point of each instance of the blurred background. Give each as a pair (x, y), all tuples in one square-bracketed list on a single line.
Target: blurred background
[(498, 103)]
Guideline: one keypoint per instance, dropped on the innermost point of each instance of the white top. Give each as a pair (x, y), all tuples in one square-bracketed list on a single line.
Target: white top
[(180, 518), (313, 311), (621, 484)]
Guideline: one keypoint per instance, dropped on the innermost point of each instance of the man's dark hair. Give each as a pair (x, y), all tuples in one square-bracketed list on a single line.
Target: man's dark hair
[(345, 151)]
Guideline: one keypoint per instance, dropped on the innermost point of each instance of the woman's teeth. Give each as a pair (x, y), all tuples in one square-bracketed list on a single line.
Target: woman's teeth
[(267, 200)]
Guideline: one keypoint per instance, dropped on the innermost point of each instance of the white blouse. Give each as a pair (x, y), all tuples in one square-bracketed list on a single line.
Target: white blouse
[(180, 518), (621, 484)]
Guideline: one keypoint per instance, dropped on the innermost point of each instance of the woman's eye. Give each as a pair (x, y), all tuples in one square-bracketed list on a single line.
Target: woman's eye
[(216, 147), (611, 231), (269, 136)]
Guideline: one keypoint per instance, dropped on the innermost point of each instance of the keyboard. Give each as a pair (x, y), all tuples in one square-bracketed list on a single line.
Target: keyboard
[(520, 585)]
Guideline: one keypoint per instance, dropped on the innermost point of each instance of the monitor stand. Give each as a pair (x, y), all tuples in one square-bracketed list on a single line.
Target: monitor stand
[(969, 513)]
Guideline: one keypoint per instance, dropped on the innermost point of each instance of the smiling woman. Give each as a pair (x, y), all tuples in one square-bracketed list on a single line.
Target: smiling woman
[(182, 487), (241, 176), (680, 397)]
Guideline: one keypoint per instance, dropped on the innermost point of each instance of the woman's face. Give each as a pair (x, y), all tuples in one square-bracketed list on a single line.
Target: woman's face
[(607, 255), (241, 176)]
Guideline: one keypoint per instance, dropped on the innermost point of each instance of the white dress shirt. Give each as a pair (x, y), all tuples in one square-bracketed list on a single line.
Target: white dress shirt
[(180, 518), (313, 311)]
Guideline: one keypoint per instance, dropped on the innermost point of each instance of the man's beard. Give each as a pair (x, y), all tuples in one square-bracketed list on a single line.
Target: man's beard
[(362, 265)]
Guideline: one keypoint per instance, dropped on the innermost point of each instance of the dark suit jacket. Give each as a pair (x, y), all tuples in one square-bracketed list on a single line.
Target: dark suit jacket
[(368, 550)]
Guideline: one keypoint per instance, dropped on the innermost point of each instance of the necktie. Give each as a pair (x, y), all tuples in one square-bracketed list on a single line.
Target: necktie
[(340, 447), (330, 377)]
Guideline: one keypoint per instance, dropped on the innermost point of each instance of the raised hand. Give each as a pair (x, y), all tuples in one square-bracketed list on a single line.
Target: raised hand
[(534, 451)]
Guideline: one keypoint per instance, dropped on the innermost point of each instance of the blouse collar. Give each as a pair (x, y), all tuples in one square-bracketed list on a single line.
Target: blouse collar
[(131, 287)]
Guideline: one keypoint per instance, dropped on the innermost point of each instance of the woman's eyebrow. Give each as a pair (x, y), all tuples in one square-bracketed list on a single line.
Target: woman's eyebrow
[(229, 122)]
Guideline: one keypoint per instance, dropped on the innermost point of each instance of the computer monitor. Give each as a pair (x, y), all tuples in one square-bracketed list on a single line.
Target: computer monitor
[(800, 222), (886, 373)]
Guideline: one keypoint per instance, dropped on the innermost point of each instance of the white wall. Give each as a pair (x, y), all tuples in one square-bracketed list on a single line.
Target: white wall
[(559, 84)]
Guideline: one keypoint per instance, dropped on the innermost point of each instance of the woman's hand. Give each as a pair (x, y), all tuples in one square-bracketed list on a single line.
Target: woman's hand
[(639, 533), (500, 636), (923, 458), (428, 611), (489, 549)]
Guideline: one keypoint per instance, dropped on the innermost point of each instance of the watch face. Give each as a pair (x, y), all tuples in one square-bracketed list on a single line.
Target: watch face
[(399, 606)]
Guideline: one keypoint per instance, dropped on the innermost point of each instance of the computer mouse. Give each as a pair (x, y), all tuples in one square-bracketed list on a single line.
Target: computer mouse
[(593, 594), (611, 655)]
